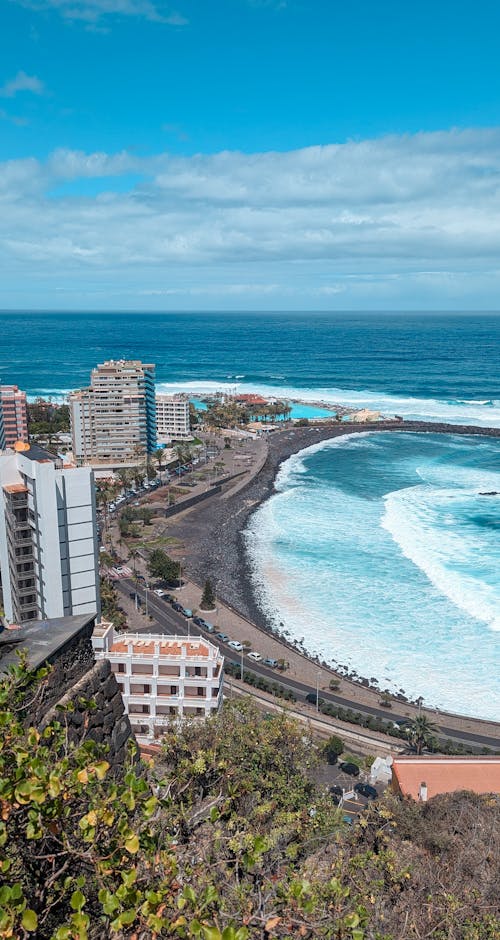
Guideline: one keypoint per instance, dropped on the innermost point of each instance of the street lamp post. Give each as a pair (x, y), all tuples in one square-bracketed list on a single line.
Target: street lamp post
[(241, 670), (146, 586), (189, 627), (317, 691)]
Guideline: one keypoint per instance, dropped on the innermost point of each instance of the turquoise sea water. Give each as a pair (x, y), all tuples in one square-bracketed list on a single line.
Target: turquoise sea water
[(298, 410), (378, 550), (380, 553)]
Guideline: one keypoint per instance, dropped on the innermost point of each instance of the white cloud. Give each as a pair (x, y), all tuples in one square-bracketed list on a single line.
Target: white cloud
[(91, 11), (411, 220), (22, 82)]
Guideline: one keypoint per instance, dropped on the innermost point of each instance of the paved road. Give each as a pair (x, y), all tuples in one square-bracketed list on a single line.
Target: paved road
[(171, 622)]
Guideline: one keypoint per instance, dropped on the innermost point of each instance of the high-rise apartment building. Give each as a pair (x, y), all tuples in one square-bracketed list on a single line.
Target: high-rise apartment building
[(15, 414), (48, 537), (172, 418), (113, 421)]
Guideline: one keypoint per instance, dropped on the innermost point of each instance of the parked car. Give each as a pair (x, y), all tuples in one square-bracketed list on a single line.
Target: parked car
[(255, 656), (209, 627), (235, 645), (187, 612), (349, 768), (365, 789), (199, 621), (178, 607), (223, 637), (159, 592), (270, 662)]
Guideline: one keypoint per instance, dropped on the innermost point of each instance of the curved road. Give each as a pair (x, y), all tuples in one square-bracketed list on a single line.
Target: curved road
[(171, 622)]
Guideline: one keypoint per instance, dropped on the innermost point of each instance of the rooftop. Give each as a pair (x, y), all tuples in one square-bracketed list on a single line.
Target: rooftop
[(446, 774), (146, 644), (43, 639)]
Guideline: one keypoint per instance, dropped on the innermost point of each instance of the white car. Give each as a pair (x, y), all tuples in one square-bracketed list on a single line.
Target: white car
[(235, 645), (255, 656), (159, 592)]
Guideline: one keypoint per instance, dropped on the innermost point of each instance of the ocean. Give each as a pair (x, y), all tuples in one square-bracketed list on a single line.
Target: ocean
[(378, 550), (443, 367)]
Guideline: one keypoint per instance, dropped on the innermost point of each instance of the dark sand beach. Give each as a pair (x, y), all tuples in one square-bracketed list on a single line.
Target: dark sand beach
[(212, 532)]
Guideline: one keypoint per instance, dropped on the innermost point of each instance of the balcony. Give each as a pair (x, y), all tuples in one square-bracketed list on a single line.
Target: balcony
[(22, 537)]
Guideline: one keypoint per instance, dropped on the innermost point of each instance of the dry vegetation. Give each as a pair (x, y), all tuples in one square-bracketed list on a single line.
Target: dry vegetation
[(226, 838)]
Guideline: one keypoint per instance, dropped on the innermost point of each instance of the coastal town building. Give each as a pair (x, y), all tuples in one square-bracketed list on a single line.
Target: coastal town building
[(48, 537), (162, 677), (14, 415), (113, 421), (172, 418), (421, 778)]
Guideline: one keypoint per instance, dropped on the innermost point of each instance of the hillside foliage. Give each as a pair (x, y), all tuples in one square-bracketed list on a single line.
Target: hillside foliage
[(226, 837)]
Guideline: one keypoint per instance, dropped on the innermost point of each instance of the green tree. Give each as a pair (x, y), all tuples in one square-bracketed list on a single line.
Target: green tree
[(159, 456), (208, 597), (333, 748), (161, 566), (421, 733), (125, 476), (110, 607)]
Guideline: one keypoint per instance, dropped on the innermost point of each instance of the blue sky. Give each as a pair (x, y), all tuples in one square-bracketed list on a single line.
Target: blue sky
[(284, 154)]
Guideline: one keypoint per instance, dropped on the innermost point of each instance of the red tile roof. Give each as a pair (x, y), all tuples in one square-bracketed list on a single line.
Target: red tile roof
[(166, 647), (446, 774)]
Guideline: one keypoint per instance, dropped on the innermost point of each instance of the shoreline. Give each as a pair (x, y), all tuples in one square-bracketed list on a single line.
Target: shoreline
[(213, 533)]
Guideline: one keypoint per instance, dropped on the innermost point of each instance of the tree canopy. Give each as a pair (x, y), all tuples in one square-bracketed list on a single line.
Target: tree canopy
[(227, 837), (161, 566)]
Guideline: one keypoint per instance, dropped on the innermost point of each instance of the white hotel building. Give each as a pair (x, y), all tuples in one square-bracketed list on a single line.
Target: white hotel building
[(48, 537), (172, 418), (162, 677)]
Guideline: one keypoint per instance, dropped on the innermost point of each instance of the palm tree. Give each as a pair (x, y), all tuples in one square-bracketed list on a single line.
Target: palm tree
[(105, 495), (421, 733), (138, 474), (125, 477), (158, 456)]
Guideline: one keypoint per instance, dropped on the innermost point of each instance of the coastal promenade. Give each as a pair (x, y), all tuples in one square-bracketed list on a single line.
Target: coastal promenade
[(209, 542), (303, 675)]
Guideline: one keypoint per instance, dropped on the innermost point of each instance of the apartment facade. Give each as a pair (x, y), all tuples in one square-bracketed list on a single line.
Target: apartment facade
[(48, 537), (113, 421), (162, 677), (172, 418), (14, 412)]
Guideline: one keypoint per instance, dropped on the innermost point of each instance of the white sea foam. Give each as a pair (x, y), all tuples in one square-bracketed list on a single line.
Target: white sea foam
[(434, 541), (406, 590), (482, 413), (461, 411)]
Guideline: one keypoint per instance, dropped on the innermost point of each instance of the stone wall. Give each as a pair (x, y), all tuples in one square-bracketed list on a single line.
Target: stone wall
[(77, 691), (93, 710)]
